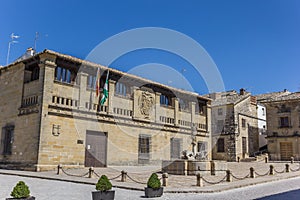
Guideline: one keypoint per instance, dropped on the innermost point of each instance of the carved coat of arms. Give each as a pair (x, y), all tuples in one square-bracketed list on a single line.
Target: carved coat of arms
[(145, 103)]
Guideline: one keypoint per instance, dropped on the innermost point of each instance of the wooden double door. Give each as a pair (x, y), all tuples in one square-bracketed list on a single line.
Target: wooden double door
[(286, 150)]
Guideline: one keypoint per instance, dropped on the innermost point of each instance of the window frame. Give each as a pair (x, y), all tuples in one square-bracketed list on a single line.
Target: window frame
[(221, 145), (243, 123), (284, 122)]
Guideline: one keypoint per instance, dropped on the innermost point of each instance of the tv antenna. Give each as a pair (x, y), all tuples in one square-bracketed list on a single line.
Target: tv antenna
[(13, 37), (35, 40)]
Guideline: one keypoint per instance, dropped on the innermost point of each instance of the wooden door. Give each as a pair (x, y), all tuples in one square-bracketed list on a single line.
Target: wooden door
[(286, 150), (95, 149), (244, 146)]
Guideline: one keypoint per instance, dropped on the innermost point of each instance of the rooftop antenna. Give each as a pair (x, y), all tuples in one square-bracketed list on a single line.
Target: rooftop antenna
[(13, 37), (35, 40)]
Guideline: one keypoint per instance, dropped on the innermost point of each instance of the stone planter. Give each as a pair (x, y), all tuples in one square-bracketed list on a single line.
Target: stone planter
[(150, 192), (103, 195), (28, 198)]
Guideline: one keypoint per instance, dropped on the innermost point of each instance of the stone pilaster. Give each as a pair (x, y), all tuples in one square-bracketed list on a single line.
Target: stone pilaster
[(192, 109), (83, 96), (111, 94), (176, 110), (135, 102), (157, 106)]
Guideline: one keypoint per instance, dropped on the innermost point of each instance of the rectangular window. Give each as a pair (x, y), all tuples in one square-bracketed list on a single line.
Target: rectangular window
[(200, 107), (31, 73), (7, 139), (63, 75), (165, 100), (58, 73), (221, 145), (263, 111), (220, 111), (243, 123), (91, 82), (144, 148), (284, 122), (122, 89)]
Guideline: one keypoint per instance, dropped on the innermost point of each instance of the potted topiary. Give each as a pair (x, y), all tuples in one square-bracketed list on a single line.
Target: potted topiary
[(21, 191), (153, 188), (103, 188)]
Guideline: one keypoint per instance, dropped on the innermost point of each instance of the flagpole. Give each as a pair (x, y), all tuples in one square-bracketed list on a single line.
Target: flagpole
[(105, 90)]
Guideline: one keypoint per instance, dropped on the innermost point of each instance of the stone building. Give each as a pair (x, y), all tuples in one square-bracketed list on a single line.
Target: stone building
[(262, 127), (283, 122), (234, 125), (50, 115)]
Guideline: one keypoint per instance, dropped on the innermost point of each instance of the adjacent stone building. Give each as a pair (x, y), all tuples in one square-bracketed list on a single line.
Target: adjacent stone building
[(283, 122), (234, 125), (50, 115), (262, 127)]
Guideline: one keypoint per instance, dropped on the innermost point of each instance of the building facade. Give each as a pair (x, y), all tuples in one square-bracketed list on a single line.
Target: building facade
[(262, 126), (51, 114), (234, 125), (283, 121)]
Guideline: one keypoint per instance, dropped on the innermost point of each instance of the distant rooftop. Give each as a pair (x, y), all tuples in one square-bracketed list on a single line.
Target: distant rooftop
[(272, 96), (228, 97), (287, 96)]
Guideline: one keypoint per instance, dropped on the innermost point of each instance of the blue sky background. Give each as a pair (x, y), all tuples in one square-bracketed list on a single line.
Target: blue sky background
[(255, 44)]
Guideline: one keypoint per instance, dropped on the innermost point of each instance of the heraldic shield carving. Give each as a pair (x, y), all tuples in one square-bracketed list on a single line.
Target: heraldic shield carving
[(146, 101)]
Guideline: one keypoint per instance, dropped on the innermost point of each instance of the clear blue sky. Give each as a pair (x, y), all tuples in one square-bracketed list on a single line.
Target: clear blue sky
[(255, 44)]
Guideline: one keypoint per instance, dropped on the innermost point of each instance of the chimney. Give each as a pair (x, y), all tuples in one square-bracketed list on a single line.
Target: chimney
[(242, 91), (30, 51), (215, 95)]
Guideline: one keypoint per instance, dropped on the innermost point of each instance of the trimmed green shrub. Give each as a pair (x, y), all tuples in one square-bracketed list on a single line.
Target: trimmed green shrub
[(21, 190), (103, 184), (153, 181)]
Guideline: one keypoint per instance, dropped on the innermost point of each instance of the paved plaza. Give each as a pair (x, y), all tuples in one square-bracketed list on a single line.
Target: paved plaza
[(138, 175), (44, 189)]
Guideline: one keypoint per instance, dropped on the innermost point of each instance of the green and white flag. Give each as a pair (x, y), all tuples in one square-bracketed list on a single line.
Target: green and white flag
[(105, 90)]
